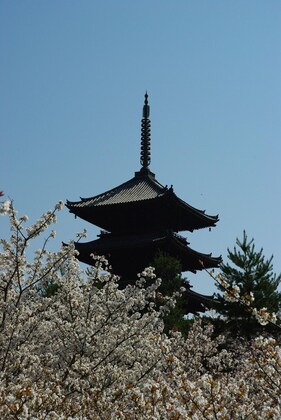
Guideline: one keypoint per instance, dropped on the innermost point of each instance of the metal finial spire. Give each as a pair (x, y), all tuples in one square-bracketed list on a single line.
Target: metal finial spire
[(145, 135)]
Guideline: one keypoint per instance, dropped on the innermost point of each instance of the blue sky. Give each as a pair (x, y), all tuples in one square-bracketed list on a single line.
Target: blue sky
[(73, 75)]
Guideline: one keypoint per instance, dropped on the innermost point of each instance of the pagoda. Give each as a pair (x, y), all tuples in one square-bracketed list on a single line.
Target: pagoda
[(140, 218)]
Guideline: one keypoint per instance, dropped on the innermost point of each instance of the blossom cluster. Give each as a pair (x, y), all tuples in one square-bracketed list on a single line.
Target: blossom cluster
[(91, 350), (263, 316), (232, 294)]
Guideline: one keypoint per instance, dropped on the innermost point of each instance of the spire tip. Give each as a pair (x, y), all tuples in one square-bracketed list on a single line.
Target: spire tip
[(146, 108)]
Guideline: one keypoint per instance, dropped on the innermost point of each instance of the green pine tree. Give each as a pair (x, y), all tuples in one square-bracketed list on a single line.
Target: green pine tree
[(252, 272)]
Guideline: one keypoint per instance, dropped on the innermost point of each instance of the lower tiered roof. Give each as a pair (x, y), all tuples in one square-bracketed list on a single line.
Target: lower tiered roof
[(130, 254)]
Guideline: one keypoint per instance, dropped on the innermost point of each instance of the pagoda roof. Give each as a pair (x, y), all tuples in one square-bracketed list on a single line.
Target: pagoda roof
[(138, 188), (139, 204), (130, 254), (142, 203), (196, 302)]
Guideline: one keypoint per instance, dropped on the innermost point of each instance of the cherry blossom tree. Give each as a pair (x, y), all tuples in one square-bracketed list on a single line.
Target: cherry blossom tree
[(91, 350)]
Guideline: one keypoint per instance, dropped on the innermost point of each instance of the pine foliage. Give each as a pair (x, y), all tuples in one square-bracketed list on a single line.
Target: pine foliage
[(251, 272)]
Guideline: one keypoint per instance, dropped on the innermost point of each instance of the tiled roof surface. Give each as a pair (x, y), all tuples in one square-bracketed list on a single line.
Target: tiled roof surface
[(136, 189)]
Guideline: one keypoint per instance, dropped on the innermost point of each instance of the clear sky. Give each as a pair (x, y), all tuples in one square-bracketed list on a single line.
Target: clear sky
[(73, 75)]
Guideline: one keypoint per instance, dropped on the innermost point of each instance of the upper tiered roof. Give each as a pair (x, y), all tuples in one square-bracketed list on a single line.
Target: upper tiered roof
[(142, 203)]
